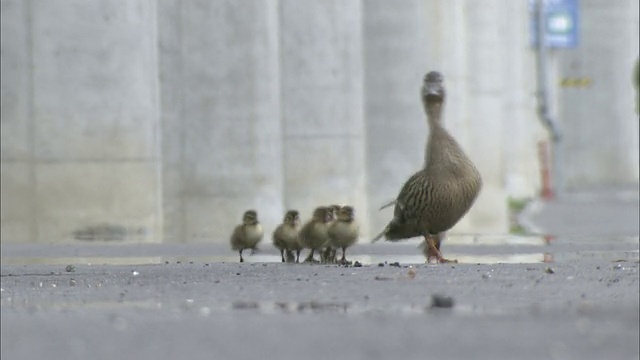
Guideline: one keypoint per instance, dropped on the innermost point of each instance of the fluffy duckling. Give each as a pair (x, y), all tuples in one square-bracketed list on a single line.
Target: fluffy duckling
[(344, 231), (285, 236), (328, 256), (248, 234), (314, 234)]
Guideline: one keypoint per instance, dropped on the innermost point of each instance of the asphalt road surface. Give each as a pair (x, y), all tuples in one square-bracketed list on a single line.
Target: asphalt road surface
[(178, 302), (569, 293)]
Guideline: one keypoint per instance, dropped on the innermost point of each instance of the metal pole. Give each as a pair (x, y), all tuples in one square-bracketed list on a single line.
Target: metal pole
[(543, 99)]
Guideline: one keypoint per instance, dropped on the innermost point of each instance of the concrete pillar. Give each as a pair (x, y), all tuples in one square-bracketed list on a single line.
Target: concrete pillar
[(222, 133), (487, 97), (322, 105), (395, 64), (599, 120), (81, 155), (521, 127), (17, 163)]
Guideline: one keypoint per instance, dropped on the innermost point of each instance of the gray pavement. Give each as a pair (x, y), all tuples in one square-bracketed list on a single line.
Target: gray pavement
[(169, 301), (588, 212)]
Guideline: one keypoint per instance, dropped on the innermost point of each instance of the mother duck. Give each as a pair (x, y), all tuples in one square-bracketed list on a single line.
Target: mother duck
[(435, 198)]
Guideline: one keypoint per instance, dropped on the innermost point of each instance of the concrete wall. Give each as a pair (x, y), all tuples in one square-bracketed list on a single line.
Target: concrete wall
[(222, 137), (522, 130), (322, 105), (395, 64), (261, 108), (163, 120), (599, 120), (79, 121)]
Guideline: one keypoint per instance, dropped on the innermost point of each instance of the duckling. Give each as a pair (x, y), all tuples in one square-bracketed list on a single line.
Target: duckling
[(435, 198), (248, 234), (314, 234), (344, 231), (328, 256), (285, 236)]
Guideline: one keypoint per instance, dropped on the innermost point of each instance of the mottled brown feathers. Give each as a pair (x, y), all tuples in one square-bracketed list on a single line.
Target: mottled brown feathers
[(435, 198)]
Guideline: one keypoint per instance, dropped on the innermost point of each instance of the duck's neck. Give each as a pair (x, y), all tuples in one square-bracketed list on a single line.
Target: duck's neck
[(434, 113), (434, 147)]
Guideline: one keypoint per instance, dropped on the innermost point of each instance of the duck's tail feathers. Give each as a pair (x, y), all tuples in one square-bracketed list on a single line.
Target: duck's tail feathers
[(381, 235), (393, 202)]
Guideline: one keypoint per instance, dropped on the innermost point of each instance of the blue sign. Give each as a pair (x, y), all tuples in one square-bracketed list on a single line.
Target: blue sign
[(560, 23)]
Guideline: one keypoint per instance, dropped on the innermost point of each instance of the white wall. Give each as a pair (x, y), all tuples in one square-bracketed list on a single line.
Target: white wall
[(395, 64), (166, 119), (222, 144), (262, 108), (79, 119), (322, 105)]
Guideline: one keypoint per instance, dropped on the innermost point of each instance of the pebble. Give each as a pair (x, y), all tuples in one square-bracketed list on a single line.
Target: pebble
[(72, 282), (70, 268), (357, 264), (549, 270), (396, 264), (245, 305), (441, 301)]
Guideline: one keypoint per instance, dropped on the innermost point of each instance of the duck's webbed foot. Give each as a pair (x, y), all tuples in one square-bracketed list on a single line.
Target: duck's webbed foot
[(433, 254), (343, 259), (344, 262), (309, 259)]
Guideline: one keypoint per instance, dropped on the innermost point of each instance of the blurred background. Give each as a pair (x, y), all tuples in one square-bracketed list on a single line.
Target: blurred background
[(163, 120)]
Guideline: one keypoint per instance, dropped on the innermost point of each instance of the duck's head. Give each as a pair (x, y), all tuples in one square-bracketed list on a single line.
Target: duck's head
[(346, 213), (292, 217), (250, 217), (433, 88)]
